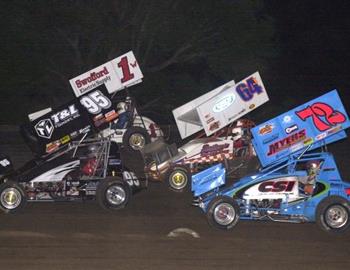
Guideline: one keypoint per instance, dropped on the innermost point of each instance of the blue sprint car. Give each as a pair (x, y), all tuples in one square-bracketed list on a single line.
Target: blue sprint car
[(296, 182)]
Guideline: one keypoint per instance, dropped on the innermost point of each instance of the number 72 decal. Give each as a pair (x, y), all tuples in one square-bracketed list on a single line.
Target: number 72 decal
[(320, 110)]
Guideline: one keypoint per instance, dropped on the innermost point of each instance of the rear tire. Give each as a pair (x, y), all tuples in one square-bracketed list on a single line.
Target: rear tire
[(12, 197), (223, 213), (333, 214), (113, 193)]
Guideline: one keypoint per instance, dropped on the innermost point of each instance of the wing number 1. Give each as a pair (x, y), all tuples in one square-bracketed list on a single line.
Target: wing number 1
[(124, 65)]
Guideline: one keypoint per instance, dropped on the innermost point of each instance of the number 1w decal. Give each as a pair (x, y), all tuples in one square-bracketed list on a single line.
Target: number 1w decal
[(124, 65)]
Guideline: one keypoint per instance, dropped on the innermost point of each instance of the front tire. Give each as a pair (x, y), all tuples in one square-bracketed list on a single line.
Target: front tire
[(113, 193), (178, 178), (333, 214), (135, 138), (12, 197), (223, 213)]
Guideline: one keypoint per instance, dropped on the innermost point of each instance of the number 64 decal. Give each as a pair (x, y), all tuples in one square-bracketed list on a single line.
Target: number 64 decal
[(95, 102), (246, 90)]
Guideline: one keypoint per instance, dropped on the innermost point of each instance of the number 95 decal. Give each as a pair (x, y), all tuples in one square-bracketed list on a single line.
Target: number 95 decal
[(95, 102)]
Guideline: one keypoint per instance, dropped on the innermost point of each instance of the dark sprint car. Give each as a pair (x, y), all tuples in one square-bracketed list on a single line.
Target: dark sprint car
[(80, 170), (294, 184)]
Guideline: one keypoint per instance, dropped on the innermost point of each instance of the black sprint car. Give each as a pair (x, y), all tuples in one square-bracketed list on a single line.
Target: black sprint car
[(80, 170)]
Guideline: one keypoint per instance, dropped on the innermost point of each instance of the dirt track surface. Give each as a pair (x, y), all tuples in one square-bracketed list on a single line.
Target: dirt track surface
[(82, 236)]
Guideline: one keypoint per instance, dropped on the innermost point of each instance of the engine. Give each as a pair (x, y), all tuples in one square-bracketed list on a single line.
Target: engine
[(62, 190), (263, 208), (266, 203)]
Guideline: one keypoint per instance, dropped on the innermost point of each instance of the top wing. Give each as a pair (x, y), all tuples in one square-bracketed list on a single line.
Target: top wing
[(116, 74), (318, 122), (221, 106)]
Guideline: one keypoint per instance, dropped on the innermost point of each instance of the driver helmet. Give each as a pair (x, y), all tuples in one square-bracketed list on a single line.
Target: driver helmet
[(313, 167), (92, 150), (121, 107), (237, 133), (128, 99)]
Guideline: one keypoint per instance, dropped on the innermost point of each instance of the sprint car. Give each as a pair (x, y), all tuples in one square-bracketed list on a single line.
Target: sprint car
[(110, 116), (231, 145), (227, 139), (296, 183), (100, 107), (80, 170)]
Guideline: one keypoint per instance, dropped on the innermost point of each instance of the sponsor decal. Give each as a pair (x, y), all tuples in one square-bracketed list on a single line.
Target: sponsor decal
[(5, 162), (270, 139), (210, 120), (286, 142), (291, 129), (266, 129), (74, 134), (65, 139), (65, 116), (85, 130), (334, 130), (208, 150), (53, 146), (321, 136), (308, 141), (251, 106), (99, 120), (276, 186), (215, 125), (44, 128), (236, 115), (287, 119), (111, 115), (224, 103), (92, 77), (296, 147)]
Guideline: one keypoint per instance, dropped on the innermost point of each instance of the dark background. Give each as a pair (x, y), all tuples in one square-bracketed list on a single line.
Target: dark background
[(185, 48)]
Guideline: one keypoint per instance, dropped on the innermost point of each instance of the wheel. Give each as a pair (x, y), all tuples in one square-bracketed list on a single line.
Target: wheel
[(12, 197), (113, 193), (178, 178), (135, 138), (223, 213), (332, 214)]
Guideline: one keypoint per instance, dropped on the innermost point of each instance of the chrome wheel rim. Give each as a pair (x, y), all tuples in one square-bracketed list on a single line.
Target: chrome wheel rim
[(178, 180), (336, 216), (224, 214), (115, 195), (137, 141), (10, 198)]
